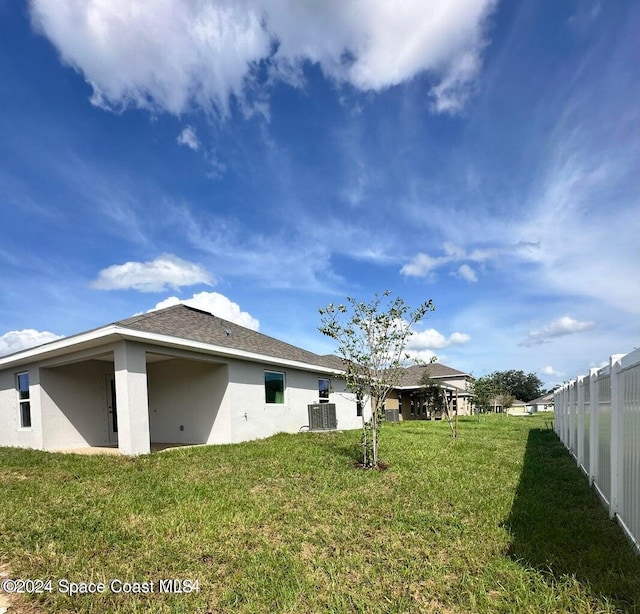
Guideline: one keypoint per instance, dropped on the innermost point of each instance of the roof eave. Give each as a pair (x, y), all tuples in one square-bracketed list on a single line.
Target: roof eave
[(113, 332), (93, 338)]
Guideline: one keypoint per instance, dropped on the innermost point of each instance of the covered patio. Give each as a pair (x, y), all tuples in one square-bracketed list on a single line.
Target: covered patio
[(130, 400)]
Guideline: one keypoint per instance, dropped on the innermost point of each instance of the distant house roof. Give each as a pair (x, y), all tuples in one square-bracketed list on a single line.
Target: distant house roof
[(412, 375), (515, 403), (545, 399)]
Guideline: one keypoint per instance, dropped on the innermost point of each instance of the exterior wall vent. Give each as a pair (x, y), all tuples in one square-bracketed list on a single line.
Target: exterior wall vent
[(322, 417)]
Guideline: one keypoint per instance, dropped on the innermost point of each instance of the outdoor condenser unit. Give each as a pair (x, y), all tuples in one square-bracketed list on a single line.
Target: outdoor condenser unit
[(322, 417), (392, 415)]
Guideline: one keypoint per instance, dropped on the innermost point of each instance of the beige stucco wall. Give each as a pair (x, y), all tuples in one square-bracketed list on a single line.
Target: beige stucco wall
[(392, 402), (252, 417), (190, 394), (10, 432), (74, 404)]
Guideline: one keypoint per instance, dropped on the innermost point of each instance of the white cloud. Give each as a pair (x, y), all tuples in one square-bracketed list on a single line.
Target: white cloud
[(16, 340), (166, 271), (431, 339), (217, 304), (557, 328), (202, 53), (422, 265), (549, 370), (459, 338), (422, 356), (189, 138), (466, 272)]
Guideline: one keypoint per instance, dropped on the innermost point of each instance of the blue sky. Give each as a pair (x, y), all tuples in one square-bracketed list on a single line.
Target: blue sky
[(264, 158)]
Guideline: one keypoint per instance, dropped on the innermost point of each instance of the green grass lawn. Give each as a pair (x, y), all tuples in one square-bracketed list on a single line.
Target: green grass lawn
[(500, 520)]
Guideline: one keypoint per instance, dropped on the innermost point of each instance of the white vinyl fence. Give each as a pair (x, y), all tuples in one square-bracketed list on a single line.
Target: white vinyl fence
[(598, 420)]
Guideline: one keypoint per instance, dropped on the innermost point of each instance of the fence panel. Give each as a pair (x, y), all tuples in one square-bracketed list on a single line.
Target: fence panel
[(630, 500), (586, 425), (598, 420), (603, 471), (573, 409)]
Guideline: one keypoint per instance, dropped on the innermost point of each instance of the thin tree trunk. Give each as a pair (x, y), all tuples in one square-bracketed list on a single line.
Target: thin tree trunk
[(374, 436), (364, 439)]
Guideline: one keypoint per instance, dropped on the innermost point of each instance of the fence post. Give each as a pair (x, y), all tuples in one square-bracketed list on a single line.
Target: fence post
[(563, 409), (580, 410), (617, 436), (594, 428), (572, 418), (557, 408)]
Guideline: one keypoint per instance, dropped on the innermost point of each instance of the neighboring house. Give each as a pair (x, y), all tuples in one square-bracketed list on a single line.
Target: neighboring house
[(516, 407), (409, 404), (543, 403), (176, 375)]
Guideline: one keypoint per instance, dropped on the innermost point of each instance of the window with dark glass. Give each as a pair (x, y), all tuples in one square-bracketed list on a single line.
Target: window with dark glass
[(274, 387), (24, 399), (323, 390)]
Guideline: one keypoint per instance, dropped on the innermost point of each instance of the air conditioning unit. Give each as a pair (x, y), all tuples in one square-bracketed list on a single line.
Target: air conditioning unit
[(322, 417), (392, 415)]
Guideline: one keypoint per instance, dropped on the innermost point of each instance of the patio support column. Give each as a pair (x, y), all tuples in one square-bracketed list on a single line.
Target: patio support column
[(130, 366)]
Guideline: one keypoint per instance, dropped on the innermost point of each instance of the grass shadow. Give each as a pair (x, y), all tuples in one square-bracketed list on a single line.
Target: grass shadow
[(560, 528)]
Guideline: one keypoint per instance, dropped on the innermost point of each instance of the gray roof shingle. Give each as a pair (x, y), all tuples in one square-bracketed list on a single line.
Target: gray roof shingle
[(191, 323), (412, 375)]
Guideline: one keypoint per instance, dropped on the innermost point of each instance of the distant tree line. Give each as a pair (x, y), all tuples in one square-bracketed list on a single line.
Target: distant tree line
[(506, 386)]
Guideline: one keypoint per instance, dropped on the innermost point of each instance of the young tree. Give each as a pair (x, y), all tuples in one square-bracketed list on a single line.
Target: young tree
[(371, 339), (506, 401), (484, 391), (438, 399)]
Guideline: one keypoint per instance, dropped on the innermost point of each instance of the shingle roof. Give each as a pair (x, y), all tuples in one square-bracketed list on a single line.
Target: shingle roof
[(544, 399), (413, 375), (190, 323)]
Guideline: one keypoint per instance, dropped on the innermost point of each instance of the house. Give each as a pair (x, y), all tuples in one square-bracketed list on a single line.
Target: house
[(543, 403), (177, 375), (516, 407), (406, 402)]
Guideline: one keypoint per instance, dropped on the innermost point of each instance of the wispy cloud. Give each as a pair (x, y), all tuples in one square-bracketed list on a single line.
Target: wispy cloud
[(558, 328), (425, 265), (286, 257), (166, 271), (217, 304), (204, 53)]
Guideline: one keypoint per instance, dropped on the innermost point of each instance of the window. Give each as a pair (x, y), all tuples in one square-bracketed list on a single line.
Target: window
[(323, 390), (274, 387), (22, 384), (359, 403)]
